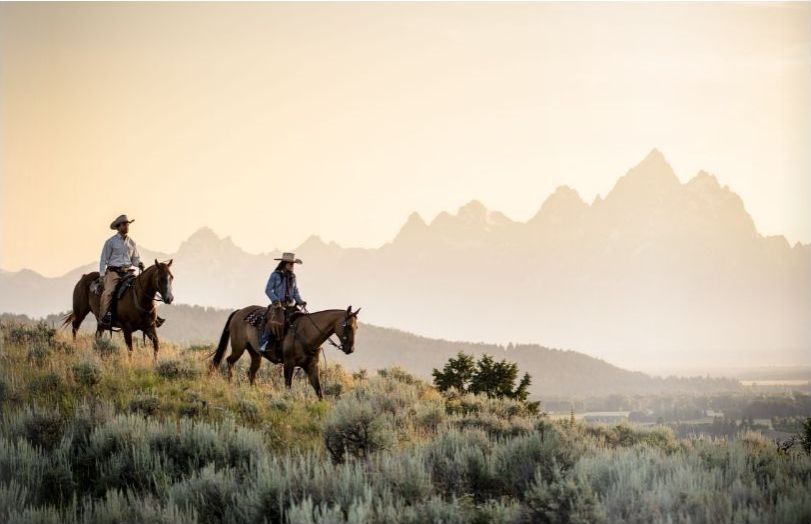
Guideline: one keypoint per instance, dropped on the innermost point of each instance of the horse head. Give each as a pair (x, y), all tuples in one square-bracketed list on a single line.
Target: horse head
[(345, 329), (162, 278)]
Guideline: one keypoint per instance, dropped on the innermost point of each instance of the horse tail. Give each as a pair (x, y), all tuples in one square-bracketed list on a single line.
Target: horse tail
[(67, 320), (81, 302), (220, 351)]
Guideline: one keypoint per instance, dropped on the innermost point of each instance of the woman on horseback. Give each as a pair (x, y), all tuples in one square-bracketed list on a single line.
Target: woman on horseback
[(282, 290)]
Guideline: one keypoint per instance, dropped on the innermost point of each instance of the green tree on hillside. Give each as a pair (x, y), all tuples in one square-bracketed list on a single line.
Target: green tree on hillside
[(805, 435), (457, 373), (487, 376)]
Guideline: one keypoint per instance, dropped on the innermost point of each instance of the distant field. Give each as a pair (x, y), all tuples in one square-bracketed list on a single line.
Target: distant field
[(775, 383)]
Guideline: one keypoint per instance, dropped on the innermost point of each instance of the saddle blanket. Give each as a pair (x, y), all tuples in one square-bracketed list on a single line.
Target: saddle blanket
[(257, 318)]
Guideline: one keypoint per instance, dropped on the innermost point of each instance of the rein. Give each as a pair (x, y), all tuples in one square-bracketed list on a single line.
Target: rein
[(135, 296), (322, 331)]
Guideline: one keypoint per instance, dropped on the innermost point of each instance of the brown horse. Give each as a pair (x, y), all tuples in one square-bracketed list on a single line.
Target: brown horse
[(300, 347), (135, 309)]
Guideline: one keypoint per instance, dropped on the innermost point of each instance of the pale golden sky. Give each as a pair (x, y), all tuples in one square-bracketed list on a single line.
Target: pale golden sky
[(271, 122)]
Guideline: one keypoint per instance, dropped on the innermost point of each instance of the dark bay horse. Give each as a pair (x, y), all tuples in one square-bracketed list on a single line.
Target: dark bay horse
[(300, 347), (136, 308)]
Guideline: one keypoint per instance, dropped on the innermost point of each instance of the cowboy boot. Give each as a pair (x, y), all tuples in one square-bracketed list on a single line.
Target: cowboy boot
[(264, 340)]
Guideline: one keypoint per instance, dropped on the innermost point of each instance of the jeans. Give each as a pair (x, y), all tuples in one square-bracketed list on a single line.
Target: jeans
[(111, 279), (264, 337)]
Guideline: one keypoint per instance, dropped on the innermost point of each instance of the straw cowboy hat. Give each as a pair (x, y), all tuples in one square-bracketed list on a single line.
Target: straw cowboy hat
[(289, 257), (120, 220)]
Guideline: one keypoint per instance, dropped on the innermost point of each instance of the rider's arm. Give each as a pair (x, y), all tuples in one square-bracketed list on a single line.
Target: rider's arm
[(105, 256), (270, 288), (136, 257), (296, 295)]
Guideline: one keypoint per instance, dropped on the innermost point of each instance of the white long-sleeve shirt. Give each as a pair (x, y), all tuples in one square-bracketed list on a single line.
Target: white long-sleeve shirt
[(119, 251)]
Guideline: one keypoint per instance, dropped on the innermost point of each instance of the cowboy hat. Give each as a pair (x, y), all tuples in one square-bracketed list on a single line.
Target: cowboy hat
[(289, 257), (120, 220)]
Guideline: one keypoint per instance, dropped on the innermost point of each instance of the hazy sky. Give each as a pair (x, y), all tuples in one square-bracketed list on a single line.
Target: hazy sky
[(271, 122)]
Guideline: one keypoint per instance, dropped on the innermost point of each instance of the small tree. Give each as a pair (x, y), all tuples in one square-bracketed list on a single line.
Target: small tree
[(457, 373), (805, 435), (487, 376)]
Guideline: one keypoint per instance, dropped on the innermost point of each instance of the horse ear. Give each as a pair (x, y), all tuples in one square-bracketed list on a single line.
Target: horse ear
[(156, 261), (169, 264), (349, 310), (355, 314)]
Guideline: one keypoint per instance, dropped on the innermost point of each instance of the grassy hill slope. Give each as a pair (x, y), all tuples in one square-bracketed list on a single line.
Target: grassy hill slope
[(554, 372), (89, 434)]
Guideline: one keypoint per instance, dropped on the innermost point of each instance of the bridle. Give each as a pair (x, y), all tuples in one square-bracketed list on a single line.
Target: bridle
[(136, 292), (343, 337)]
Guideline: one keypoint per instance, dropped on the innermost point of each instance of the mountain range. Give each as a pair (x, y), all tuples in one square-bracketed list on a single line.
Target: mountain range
[(656, 273)]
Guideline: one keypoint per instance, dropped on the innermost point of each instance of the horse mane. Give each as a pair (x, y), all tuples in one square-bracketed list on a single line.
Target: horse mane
[(327, 311), (146, 276), (149, 270)]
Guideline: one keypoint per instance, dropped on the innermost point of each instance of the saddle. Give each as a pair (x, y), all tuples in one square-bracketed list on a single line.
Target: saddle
[(278, 320), (126, 282)]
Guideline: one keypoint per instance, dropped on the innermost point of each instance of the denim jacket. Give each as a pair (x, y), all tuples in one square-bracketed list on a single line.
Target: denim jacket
[(276, 287)]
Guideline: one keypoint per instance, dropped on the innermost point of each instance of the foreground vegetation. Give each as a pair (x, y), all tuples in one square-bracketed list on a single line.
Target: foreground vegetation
[(89, 435)]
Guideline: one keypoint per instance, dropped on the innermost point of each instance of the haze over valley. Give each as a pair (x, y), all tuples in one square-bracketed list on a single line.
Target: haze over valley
[(659, 274)]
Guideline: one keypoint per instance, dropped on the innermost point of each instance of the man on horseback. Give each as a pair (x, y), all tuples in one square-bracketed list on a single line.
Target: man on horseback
[(117, 258), (284, 296)]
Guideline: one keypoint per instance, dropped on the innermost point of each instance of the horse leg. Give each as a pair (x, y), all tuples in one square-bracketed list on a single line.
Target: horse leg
[(256, 361), (232, 359), (150, 333), (128, 340), (315, 382), (288, 374)]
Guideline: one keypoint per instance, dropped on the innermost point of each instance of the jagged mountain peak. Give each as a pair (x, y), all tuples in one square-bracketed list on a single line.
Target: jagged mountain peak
[(204, 240), (315, 243), (655, 156), (204, 234), (653, 177), (412, 229), (703, 181), (473, 210), (564, 195), (473, 216), (564, 202), (415, 219), (654, 166)]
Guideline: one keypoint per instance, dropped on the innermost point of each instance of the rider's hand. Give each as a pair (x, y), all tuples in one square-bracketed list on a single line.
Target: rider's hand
[(302, 304), (141, 266)]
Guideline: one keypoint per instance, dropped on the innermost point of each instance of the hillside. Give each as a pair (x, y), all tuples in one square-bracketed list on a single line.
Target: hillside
[(89, 436), (554, 372)]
